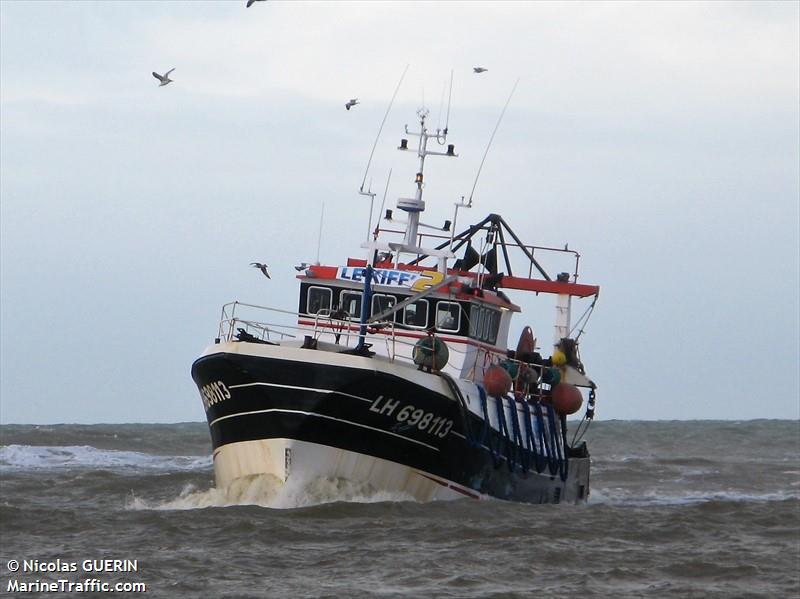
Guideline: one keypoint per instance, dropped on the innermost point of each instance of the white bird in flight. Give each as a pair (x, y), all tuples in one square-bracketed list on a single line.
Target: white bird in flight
[(351, 103), (479, 69), (164, 79), (301, 267), (250, 2), (261, 267)]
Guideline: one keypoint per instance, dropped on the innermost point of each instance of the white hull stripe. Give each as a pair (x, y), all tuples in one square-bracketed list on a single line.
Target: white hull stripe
[(482, 446), (453, 486), (213, 422), (313, 389)]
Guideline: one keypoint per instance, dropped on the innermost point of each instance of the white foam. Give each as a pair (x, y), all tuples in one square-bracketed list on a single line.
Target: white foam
[(45, 457), (268, 491)]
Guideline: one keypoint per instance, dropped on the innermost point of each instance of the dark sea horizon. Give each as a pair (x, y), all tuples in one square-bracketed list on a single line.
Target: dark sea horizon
[(701, 508)]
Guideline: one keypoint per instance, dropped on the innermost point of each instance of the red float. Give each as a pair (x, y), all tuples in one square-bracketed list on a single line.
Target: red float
[(567, 399), (496, 381)]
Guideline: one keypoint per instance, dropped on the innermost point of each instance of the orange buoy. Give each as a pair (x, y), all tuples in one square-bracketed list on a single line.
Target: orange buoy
[(567, 399), (496, 380)]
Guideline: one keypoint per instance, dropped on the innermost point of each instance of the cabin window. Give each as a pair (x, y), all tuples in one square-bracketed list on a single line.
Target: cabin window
[(493, 325), (416, 314), (381, 303), (351, 303), (475, 319), (484, 323), (319, 298), (448, 316)]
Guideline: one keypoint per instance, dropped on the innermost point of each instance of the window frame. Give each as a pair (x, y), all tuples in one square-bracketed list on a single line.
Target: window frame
[(342, 306), (427, 312), (308, 298), (484, 323), (372, 304), (458, 318), (492, 326), (475, 318)]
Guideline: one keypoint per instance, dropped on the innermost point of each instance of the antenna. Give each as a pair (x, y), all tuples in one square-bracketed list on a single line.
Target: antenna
[(371, 205), (458, 205), (319, 237), (489, 145), (449, 96), (441, 104), (377, 137), (383, 202)]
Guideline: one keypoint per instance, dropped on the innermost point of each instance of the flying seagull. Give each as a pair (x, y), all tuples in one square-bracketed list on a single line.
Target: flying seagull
[(164, 79), (301, 267), (479, 69), (250, 2), (262, 267), (351, 103)]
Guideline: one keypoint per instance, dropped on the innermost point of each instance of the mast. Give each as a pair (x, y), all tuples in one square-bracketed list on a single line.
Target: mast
[(416, 205)]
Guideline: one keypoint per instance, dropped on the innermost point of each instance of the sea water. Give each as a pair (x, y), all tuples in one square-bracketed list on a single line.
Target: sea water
[(677, 509)]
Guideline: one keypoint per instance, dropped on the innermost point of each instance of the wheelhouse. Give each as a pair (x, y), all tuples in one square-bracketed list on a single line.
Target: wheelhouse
[(447, 315)]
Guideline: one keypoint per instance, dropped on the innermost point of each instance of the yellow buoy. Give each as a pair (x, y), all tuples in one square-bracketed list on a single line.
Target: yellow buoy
[(559, 358)]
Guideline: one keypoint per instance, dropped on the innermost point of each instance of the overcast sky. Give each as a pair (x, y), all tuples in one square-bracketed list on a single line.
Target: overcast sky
[(661, 140)]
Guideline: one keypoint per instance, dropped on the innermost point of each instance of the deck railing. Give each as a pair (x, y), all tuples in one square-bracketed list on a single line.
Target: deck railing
[(232, 323), (243, 321), (533, 250)]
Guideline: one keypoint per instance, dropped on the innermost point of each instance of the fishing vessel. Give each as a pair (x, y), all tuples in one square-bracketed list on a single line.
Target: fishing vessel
[(395, 371)]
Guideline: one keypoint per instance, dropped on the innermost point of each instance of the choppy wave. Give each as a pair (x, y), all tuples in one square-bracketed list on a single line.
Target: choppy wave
[(45, 457), (657, 497), (676, 510), (268, 491)]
